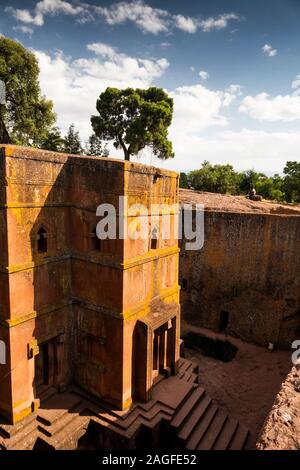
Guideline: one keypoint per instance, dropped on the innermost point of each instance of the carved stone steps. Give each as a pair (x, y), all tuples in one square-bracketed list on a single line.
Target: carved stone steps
[(214, 429), (193, 378), (25, 436), (137, 413), (194, 418), (239, 440), (58, 424), (128, 433), (56, 407), (201, 427), (225, 437), (9, 430), (173, 392), (67, 437), (185, 365), (187, 407)]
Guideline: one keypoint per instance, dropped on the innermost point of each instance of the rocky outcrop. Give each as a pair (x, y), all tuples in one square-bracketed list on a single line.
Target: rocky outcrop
[(282, 427)]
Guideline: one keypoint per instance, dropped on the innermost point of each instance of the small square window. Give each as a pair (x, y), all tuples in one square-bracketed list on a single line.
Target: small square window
[(42, 241)]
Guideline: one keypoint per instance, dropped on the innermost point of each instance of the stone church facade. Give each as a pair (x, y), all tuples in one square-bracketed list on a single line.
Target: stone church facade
[(102, 314)]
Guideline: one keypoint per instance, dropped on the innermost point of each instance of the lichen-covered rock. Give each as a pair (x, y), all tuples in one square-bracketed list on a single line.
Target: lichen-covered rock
[(281, 430)]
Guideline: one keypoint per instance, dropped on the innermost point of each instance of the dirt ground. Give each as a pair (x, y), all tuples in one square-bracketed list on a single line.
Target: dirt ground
[(227, 203), (247, 386)]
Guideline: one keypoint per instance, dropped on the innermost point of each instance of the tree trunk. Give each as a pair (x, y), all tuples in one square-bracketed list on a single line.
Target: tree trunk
[(125, 149)]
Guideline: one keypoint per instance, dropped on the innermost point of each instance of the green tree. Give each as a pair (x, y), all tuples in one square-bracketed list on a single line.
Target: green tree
[(270, 187), (96, 148), (183, 180), (291, 182), (72, 142), (214, 178), (27, 116), (249, 179), (135, 119), (53, 141)]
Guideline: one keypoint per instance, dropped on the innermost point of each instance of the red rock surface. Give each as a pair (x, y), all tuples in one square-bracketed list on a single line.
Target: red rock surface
[(282, 427), (228, 203)]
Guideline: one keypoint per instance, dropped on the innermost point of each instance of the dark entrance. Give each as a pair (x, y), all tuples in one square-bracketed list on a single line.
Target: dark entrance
[(223, 320), (163, 340), (42, 367), (48, 364)]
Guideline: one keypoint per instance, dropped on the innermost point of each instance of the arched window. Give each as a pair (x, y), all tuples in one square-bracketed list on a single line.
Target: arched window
[(42, 240), (2, 352), (95, 241), (154, 239)]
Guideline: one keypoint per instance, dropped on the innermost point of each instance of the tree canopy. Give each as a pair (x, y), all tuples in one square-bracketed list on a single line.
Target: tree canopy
[(28, 115), (53, 141), (95, 147), (224, 179), (72, 142), (135, 119), (214, 178), (292, 181)]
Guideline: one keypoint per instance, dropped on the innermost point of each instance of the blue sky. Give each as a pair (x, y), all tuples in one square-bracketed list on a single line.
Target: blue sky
[(232, 67)]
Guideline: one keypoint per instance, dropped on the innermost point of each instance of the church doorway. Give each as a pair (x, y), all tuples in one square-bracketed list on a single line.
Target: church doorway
[(48, 365), (42, 367), (163, 340)]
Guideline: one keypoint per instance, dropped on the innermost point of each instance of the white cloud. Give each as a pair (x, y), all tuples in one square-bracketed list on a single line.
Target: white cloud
[(200, 128), (155, 20), (296, 85), (269, 50), (186, 24), (104, 50), (219, 22), (192, 68), (265, 108), (24, 29), (234, 89), (79, 82), (148, 19), (165, 44), (203, 75), (264, 151), (42, 8), (119, 67), (197, 108), (25, 16)]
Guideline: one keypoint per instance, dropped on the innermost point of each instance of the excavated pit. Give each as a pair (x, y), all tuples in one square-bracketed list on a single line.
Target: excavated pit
[(216, 348)]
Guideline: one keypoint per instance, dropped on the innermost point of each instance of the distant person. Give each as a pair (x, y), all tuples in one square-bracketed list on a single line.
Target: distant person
[(253, 196), (189, 185)]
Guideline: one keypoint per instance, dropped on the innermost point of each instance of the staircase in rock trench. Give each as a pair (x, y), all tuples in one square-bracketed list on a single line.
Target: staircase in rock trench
[(180, 415)]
